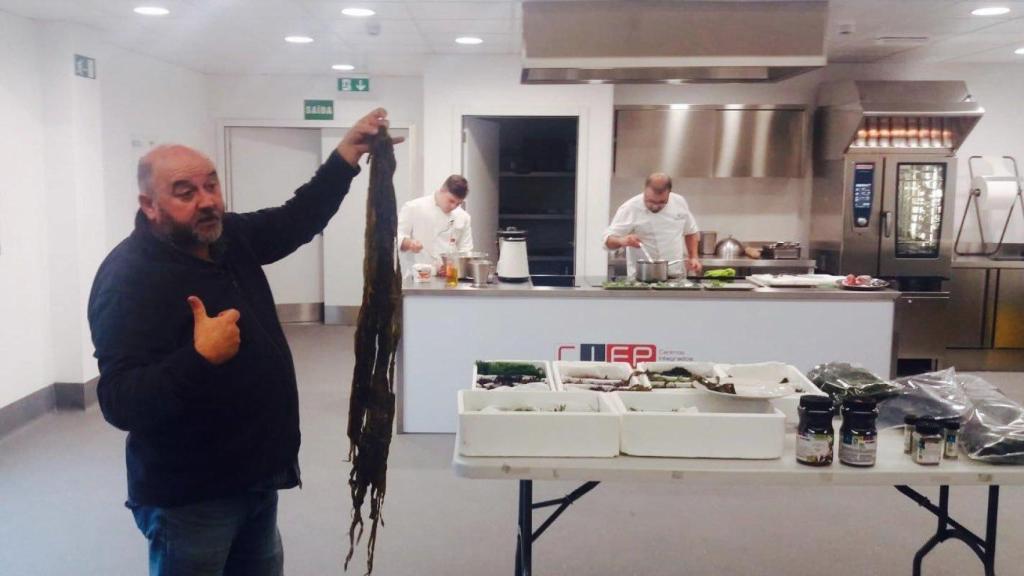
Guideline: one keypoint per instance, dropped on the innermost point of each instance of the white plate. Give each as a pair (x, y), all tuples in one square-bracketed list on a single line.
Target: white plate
[(750, 388)]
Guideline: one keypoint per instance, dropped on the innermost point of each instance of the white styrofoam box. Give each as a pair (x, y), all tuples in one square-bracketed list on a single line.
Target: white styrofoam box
[(542, 364), (571, 433), (610, 370), (719, 428), (699, 368), (775, 372)]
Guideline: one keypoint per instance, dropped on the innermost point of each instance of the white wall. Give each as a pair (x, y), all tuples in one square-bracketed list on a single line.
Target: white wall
[(145, 102), (456, 86), (24, 277), (66, 143)]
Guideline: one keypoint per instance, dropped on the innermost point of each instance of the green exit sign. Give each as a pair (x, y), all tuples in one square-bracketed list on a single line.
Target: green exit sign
[(318, 109), (353, 84)]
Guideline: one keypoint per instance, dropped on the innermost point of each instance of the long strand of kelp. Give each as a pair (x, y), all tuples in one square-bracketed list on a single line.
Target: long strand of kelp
[(372, 404)]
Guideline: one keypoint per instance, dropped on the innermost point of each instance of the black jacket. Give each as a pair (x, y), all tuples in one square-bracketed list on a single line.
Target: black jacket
[(198, 431)]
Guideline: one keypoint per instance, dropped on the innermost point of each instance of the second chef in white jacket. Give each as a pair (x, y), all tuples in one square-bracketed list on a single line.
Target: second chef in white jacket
[(428, 225)]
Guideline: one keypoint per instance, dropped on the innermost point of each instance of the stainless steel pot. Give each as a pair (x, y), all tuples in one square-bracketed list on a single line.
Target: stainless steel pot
[(729, 249), (653, 270), (481, 272), (464, 263)]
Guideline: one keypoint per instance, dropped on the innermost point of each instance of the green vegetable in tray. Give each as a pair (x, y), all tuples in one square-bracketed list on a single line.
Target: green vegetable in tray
[(508, 369), (721, 273)]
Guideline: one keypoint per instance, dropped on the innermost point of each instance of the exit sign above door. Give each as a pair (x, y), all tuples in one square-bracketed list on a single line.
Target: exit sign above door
[(353, 84)]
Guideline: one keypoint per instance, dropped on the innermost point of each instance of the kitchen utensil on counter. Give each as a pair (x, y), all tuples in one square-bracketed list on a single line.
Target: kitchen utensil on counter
[(706, 243), (781, 251), (480, 271), (653, 270), (464, 263), (646, 253), (513, 264), (729, 249)]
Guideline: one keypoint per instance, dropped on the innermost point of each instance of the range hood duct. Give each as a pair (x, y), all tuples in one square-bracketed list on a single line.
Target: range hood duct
[(652, 42), (893, 116)]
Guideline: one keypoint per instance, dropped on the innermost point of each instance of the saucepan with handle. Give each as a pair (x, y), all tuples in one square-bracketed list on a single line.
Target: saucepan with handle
[(653, 270)]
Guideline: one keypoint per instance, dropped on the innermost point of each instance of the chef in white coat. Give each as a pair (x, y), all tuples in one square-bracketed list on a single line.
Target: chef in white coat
[(660, 220), (428, 225)]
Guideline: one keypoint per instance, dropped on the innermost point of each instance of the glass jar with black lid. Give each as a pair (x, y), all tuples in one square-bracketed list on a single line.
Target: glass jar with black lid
[(815, 435), (858, 445)]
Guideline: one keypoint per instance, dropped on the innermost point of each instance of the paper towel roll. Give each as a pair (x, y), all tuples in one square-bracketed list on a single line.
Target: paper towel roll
[(996, 196)]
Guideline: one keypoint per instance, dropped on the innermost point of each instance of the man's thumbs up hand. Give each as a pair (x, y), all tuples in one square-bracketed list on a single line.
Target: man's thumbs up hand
[(216, 339)]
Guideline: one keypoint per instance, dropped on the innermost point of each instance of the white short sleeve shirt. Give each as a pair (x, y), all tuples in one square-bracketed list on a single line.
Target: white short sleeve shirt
[(661, 232)]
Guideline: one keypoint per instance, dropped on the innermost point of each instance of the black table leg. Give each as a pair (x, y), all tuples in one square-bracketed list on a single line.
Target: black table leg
[(949, 529), (524, 536)]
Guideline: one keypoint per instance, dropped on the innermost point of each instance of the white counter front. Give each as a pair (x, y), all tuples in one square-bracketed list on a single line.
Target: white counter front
[(446, 329)]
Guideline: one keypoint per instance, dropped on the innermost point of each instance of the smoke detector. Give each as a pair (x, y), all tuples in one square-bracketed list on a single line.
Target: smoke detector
[(373, 28)]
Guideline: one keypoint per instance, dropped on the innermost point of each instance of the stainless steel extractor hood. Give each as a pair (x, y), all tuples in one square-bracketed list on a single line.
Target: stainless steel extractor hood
[(648, 42), (905, 116)]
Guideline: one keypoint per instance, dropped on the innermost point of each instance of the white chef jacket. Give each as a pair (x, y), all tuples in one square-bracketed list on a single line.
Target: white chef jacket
[(661, 232), (421, 219)]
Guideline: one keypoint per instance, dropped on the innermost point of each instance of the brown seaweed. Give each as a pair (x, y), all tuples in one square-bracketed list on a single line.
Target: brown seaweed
[(372, 403)]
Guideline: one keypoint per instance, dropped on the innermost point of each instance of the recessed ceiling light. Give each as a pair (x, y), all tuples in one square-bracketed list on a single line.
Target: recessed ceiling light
[(152, 11), (1019, 51), (469, 40), (343, 67), (298, 39), (990, 11), (358, 12)]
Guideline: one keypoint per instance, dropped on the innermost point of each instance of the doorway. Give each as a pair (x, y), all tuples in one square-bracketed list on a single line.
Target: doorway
[(522, 173), (266, 165)]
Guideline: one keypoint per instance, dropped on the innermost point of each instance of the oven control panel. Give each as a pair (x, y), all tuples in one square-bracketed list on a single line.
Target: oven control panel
[(863, 193)]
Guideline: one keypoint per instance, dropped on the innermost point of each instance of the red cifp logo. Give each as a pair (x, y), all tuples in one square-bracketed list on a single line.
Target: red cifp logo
[(631, 353)]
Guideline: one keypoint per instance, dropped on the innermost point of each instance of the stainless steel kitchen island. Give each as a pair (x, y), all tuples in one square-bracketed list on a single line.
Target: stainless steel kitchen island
[(446, 329)]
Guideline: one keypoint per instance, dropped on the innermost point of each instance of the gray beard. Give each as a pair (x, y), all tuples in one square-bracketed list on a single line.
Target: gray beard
[(184, 236)]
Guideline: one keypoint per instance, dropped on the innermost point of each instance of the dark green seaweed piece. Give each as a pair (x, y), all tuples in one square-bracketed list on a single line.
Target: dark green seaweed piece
[(508, 369), (372, 403)]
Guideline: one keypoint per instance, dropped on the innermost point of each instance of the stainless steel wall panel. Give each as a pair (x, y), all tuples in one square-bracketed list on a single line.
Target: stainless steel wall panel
[(967, 308), (1009, 320), (711, 141)]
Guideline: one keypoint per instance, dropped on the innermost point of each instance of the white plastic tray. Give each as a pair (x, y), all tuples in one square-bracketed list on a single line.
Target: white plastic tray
[(617, 370), (700, 368), (550, 434), (720, 428), (776, 371), (544, 365)]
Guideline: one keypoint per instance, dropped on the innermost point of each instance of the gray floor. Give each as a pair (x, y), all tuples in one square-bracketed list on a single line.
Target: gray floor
[(62, 487)]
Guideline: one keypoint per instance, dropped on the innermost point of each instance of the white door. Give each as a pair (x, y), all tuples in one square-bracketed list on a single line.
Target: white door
[(343, 237), (266, 166), (480, 150)]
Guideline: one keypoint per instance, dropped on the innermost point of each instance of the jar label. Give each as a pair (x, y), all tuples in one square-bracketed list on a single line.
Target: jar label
[(814, 448), (929, 451), (858, 450), (951, 451)]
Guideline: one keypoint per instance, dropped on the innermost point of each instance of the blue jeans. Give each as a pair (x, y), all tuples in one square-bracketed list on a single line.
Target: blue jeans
[(230, 537)]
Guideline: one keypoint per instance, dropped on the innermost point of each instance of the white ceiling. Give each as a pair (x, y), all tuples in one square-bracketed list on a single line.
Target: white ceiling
[(246, 36)]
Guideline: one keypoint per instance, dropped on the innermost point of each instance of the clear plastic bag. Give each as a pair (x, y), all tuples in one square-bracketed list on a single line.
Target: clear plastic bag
[(842, 380), (994, 428), (992, 425), (935, 394)]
